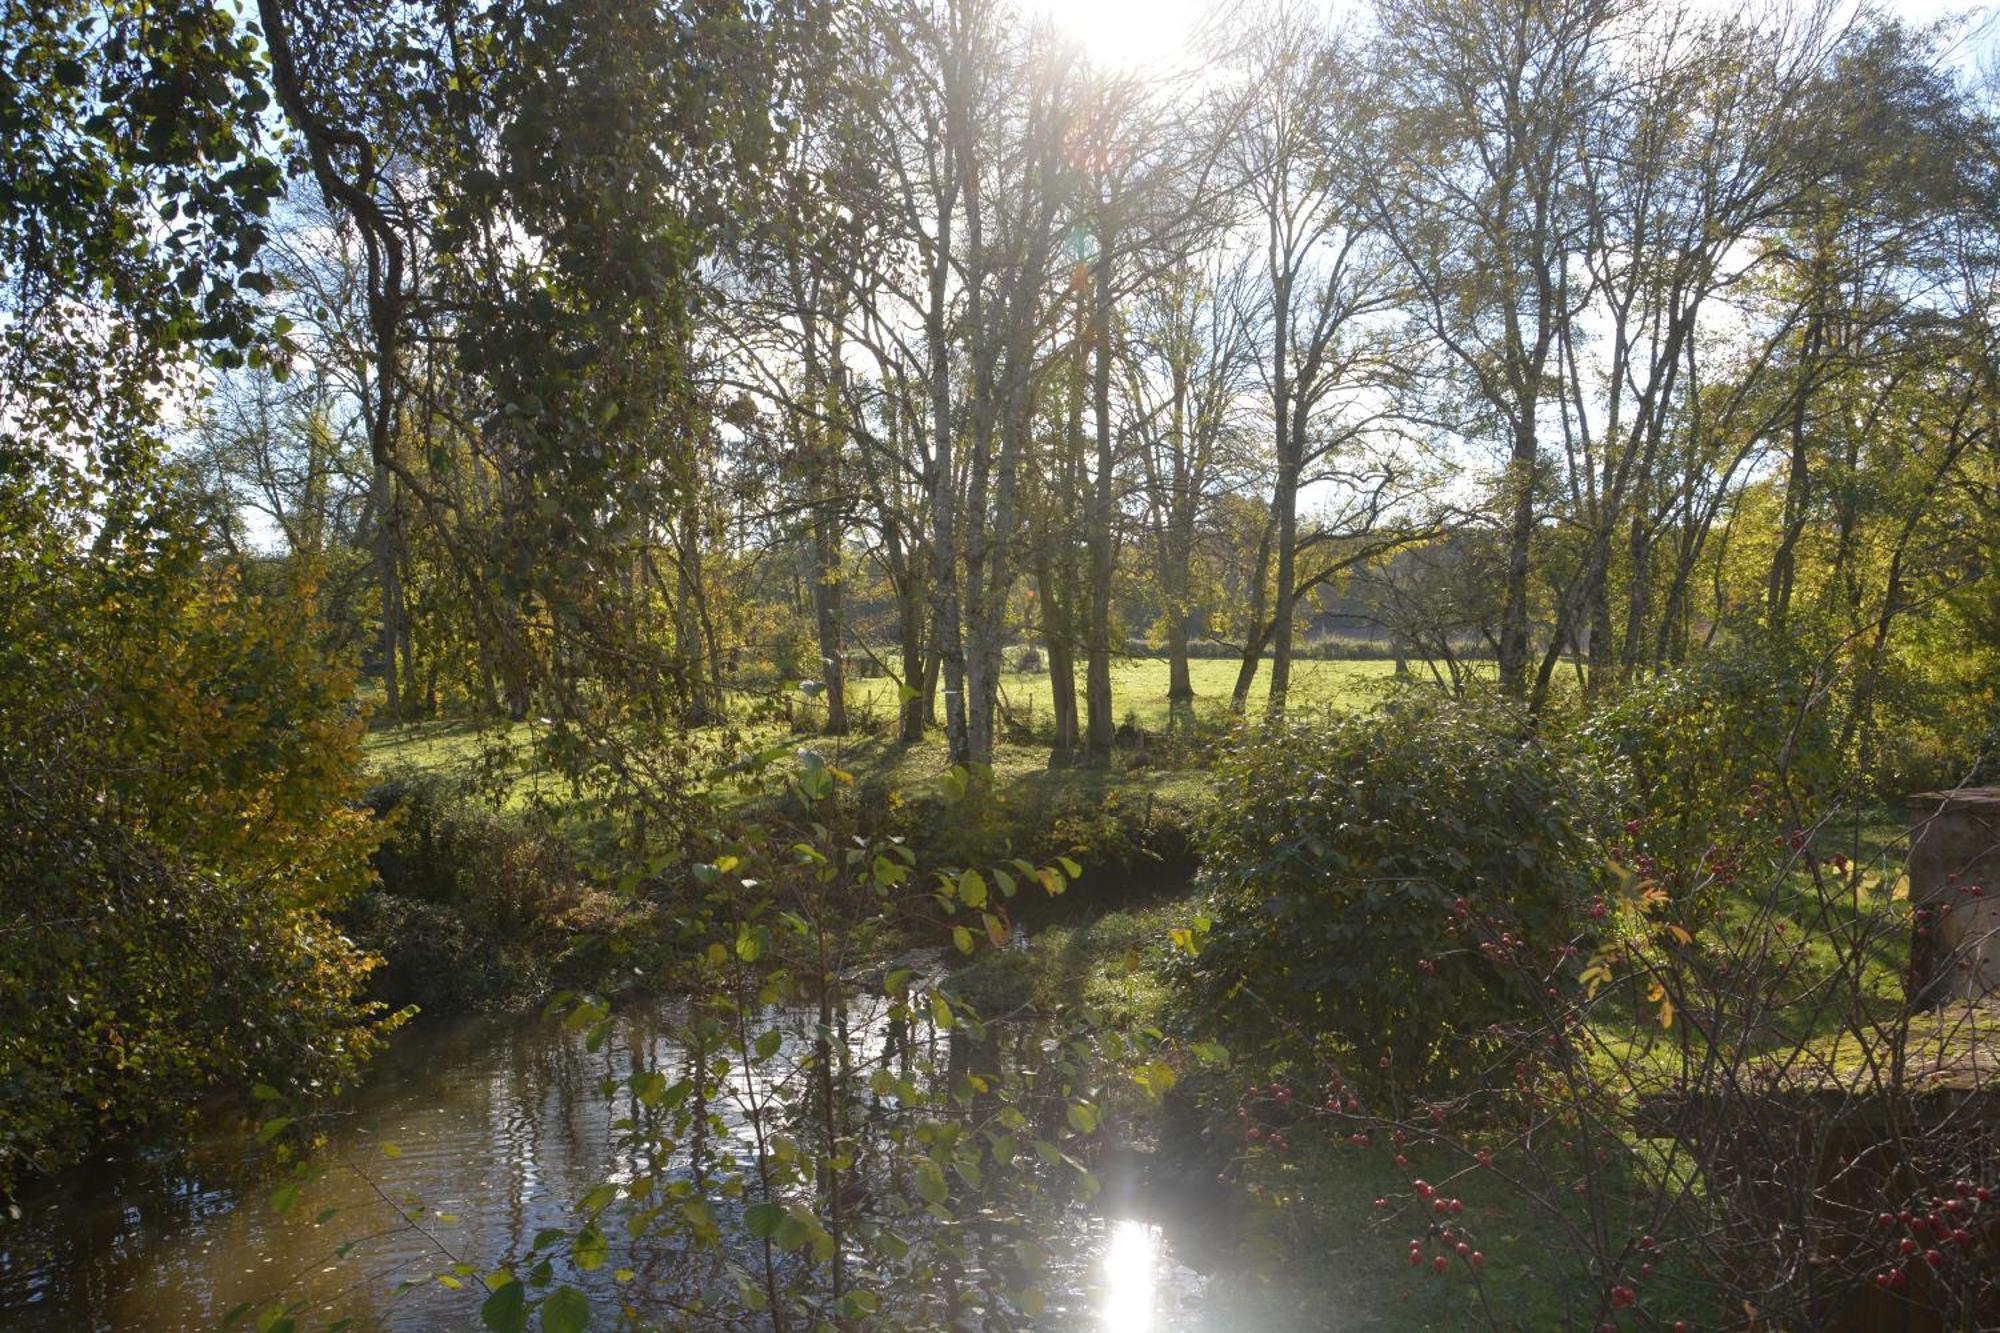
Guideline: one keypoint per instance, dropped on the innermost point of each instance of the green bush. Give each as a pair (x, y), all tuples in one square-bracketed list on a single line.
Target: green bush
[(502, 869), (1395, 881), (177, 825), (1710, 767), (479, 908)]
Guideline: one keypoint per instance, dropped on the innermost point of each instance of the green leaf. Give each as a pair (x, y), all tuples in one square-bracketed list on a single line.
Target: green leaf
[(768, 1043), (972, 889), (1157, 1077), (506, 1310), (591, 1249), (566, 1310), (931, 1186), (854, 1304), (763, 1219), (962, 939), (649, 1087), (1211, 1052), (283, 1197)]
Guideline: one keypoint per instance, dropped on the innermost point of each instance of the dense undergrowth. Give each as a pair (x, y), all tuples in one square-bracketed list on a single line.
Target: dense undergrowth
[(477, 908)]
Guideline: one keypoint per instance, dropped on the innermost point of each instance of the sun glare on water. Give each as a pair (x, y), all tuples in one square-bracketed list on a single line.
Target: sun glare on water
[(1131, 1278)]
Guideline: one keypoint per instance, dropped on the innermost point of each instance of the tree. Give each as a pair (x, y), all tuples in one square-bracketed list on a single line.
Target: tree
[(1478, 188)]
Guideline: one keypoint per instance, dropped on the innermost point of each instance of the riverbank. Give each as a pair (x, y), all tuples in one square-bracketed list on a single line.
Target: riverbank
[(492, 892)]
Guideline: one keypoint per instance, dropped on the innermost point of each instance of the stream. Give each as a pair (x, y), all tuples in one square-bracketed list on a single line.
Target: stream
[(490, 1130)]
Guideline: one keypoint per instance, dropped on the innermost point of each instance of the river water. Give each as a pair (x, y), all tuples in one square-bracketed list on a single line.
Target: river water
[(497, 1128)]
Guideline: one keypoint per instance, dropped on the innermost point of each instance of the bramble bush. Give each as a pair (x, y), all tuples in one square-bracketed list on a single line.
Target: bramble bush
[(1381, 878)]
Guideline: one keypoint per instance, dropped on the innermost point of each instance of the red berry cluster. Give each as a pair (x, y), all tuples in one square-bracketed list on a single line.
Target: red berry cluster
[(1931, 1233), (1449, 1244), (1262, 1112)]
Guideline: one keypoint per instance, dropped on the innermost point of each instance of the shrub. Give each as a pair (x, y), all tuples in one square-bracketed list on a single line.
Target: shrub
[(1711, 766), (1376, 879), (499, 868), (480, 908), (177, 823)]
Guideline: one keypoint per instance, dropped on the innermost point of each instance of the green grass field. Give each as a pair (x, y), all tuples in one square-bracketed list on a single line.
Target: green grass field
[(1139, 693), (1139, 690)]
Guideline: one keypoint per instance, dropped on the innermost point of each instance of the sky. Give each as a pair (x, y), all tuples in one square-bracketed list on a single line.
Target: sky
[(1155, 33)]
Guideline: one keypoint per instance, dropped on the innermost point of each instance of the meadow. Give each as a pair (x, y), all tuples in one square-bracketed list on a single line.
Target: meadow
[(1139, 695)]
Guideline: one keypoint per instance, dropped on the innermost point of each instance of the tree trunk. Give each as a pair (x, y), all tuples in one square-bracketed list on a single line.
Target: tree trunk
[(689, 612), (826, 619), (1513, 650), (910, 633), (944, 515), (1798, 482), (933, 671), (392, 589), (1286, 502), (1057, 631), (1099, 726), (1180, 681), (1175, 577), (1253, 633)]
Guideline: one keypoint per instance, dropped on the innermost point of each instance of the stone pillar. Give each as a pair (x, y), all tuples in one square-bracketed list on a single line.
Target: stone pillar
[(1954, 871)]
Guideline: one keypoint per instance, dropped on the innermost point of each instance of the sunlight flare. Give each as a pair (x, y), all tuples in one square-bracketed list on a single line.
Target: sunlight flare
[(1131, 1277)]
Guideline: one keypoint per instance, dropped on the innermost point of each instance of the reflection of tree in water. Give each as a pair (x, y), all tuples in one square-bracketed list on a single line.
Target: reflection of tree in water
[(504, 1126)]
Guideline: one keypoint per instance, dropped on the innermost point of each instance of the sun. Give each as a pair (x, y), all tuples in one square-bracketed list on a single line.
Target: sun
[(1129, 34)]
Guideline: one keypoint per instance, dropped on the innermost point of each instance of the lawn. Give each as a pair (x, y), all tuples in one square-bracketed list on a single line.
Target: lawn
[(1139, 695), (1139, 690)]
